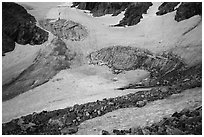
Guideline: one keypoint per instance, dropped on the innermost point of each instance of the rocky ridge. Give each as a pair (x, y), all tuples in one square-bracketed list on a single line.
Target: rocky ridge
[(134, 10), (167, 7), (19, 26), (133, 13), (102, 8), (184, 11)]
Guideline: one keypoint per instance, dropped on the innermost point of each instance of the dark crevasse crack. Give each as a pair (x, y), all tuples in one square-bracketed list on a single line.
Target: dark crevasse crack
[(66, 121), (49, 61)]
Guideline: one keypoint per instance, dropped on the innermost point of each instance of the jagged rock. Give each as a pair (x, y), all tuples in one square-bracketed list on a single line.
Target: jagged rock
[(104, 132), (65, 29), (133, 13), (173, 131), (187, 10), (69, 130), (184, 11), (167, 7), (141, 103), (119, 132), (19, 26), (136, 131), (56, 122), (133, 10), (102, 8)]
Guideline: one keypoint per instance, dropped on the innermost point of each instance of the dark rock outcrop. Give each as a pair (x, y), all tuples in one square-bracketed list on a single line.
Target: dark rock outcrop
[(48, 63), (65, 29), (133, 10), (187, 10), (133, 13), (19, 26), (102, 8), (167, 7)]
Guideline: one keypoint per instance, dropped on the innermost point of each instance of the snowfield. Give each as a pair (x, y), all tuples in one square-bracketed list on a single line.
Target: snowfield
[(83, 82)]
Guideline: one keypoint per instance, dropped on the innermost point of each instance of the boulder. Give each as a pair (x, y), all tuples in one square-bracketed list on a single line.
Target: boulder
[(69, 130)]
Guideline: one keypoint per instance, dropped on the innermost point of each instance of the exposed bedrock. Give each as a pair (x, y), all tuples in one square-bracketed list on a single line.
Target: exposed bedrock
[(48, 63), (19, 26), (133, 10), (102, 8), (65, 29), (167, 7), (185, 10), (133, 13)]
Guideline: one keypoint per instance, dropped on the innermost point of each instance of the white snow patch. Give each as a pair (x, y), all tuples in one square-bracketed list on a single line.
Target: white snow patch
[(69, 87), (177, 6), (65, 4), (108, 19)]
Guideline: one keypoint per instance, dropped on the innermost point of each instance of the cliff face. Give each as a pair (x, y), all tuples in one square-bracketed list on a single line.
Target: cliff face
[(19, 26), (133, 10), (187, 10), (167, 7), (102, 8), (184, 11)]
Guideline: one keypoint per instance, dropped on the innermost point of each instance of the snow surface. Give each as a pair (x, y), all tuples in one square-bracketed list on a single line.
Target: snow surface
[(86, 83)]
